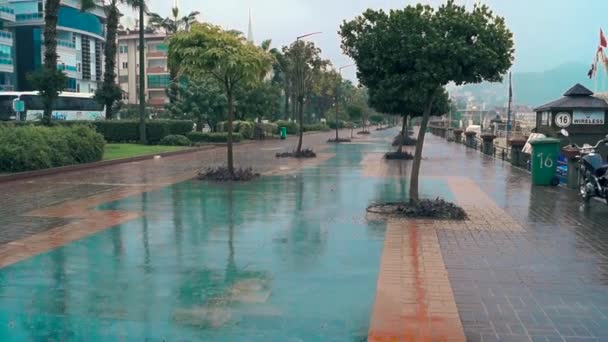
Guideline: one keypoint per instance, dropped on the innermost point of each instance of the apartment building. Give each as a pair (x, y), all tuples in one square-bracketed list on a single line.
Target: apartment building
[(7, 51), (157, 78), (80, 40)]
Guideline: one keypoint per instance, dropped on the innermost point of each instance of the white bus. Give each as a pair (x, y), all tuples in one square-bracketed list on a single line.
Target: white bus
[(69, 106)]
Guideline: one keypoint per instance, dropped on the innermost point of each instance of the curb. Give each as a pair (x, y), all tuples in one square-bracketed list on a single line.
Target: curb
[(99, 164)]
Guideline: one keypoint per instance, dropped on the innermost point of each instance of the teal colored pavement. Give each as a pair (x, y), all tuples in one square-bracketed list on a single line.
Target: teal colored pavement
[(283, 258)]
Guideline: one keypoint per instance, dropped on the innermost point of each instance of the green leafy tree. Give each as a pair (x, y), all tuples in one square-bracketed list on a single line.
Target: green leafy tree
[(171, 25), (49, 80), (355, 114), (435, 47), (207, 50), (109, 93), (201, 99), (306, 66), (376, 118), (261, 100)]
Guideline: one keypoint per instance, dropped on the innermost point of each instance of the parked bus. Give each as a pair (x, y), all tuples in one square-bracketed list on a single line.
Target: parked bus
[(69, 106)]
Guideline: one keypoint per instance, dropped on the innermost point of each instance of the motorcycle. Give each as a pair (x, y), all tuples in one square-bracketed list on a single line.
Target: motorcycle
[(593, 171)]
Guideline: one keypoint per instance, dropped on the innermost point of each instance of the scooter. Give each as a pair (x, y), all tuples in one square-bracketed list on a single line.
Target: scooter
[(593, 171)]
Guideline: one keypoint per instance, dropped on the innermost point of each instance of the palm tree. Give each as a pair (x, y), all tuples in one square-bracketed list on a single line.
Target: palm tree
[(50, 81), (110, 92), (141, 6), (172, 25)]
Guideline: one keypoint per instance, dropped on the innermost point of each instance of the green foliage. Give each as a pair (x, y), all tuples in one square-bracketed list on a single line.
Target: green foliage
[(32, 147), (175, 140), (201, 99), (376, 118), (259, 101), (245, 128), (341, 124), (198, 137), (355, 112), (319, 127), (292, 127), (435, 47), (270, 128), (49, 82), (128, 130)]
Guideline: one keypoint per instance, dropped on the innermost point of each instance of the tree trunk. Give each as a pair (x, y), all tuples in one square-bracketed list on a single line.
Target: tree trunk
[(337, 111), (414, 195), (403, 134), (300, 117), (109, 75), (142, 79), (200, 123), (229, 130), (286, 110), (51, 12)]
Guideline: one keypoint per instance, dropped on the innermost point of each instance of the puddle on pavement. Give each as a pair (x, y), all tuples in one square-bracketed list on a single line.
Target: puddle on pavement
[(281, 258)]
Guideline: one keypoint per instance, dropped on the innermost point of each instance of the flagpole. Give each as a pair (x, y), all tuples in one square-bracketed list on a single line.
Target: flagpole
[(509, 108)]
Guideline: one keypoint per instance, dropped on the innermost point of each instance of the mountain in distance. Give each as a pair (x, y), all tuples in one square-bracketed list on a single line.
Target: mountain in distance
[(533, 88)]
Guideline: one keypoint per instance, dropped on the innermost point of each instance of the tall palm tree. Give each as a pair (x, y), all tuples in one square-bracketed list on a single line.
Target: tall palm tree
[(171, 25), (141, 6), (110, 92), (50, 81)]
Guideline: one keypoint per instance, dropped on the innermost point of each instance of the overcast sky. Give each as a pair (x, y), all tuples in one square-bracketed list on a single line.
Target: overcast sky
[(547, 32)]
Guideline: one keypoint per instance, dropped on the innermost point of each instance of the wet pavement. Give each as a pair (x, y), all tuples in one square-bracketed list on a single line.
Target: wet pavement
[(140, 252)]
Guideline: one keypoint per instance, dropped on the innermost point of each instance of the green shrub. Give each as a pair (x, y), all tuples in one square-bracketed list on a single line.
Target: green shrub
[(319, 127), (332, 124), (292, 127), (175, 140), (270, 128), (180, 127), (222, 137), (36, 147), (245, 128)]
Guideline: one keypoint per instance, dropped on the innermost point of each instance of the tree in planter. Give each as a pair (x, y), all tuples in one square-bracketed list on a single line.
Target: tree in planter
[(110, 93), (436, 47), (376, 119), (48, 79), (306, 66), (201, 99), (261, 100), (208, 51), (355, 113)]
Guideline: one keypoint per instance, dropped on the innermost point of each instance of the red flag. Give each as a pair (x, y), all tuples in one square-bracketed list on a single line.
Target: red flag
[(603, 41)]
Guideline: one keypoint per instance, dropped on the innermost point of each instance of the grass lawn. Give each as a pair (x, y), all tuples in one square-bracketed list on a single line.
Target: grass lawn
[(118, 151)]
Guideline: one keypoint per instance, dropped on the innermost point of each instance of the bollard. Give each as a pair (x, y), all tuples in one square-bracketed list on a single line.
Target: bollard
[(470, 139), (572, 155), (488, 144), (458, 136), (517, 145), (450, 134)]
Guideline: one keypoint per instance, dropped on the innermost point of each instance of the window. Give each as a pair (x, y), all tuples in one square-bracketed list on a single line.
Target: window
[(123, 79), (79, 67), (125, 95), (40, 9), (5, 51), (158, 81), (125, 65), (123, 49)]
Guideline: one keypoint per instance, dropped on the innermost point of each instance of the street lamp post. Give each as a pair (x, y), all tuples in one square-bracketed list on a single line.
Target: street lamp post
[(338, 99), (300, 84)]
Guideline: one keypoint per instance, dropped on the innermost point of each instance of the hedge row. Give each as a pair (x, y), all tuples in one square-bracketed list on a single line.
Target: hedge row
[(31, 147), (116, 131), (292, 127), (198, 137), (319, 127)]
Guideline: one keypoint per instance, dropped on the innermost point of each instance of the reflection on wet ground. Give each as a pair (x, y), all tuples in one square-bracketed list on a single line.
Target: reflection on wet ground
[(295, 257)]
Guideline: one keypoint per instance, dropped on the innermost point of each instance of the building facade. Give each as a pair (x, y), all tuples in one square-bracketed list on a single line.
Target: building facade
[(80, 41), (7, 44), (157, 78)]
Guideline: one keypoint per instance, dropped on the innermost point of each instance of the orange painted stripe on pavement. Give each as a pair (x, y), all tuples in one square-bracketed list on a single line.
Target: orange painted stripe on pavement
[(414, 299)]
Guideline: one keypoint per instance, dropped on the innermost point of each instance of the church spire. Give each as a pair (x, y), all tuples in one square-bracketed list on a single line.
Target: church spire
[(250, 29)]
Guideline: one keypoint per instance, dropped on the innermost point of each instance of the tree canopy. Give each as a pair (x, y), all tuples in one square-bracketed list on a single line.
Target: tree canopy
[(410, 54), (209, 51)]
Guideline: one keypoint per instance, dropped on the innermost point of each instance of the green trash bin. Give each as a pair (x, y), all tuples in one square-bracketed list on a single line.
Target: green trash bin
[(544, 161), (283, 132)]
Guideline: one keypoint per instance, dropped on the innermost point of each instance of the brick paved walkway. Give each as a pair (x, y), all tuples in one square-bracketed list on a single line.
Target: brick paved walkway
[(531, 264)]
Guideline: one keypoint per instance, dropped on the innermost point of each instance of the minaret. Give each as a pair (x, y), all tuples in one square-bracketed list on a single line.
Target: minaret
[(250, 30)]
